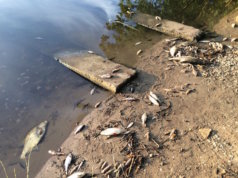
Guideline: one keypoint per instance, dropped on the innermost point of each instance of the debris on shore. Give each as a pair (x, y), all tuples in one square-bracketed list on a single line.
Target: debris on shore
[(133, 133)]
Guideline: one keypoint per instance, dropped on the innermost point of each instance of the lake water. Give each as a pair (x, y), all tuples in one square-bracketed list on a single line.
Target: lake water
[(34, 87)]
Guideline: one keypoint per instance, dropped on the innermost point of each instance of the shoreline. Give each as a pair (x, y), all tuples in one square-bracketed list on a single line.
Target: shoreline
[(188, 154)]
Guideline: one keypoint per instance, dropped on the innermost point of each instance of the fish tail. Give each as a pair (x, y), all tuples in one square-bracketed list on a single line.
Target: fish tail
[(23, 155)]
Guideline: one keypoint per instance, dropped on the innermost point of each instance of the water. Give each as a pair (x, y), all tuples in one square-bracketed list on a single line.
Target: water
[(34, 87)]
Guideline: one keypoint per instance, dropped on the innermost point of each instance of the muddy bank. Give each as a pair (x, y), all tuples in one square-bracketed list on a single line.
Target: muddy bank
[(172, 143)]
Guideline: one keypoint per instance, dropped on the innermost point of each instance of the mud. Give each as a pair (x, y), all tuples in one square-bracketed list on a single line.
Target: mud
[(172, 144)]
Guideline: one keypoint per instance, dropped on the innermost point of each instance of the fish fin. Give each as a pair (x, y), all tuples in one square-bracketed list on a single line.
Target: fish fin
[(22, 164), (36, 148)]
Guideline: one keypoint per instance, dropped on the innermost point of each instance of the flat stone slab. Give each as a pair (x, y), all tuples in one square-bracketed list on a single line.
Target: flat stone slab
[(168, 27), (97, 69)]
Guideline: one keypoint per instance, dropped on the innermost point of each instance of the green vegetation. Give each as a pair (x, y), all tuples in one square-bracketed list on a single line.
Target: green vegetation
[(193, 12)]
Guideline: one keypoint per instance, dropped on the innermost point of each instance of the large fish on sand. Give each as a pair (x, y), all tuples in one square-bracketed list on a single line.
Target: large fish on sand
[(33, 138)]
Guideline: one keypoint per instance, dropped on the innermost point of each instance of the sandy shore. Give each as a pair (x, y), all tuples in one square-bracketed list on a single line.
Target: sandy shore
[(193, 133)]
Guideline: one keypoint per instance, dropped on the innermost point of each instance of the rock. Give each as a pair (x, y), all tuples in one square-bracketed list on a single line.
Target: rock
[(205, 132), (236, 19)]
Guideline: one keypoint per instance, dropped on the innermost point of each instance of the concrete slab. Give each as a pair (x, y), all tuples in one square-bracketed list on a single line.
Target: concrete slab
[(168, 27), (97, 69)]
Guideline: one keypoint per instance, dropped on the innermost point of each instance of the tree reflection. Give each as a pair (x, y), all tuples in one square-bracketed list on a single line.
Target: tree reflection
[(198, 13)]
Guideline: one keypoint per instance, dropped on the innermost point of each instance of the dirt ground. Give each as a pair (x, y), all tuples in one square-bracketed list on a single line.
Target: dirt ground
[(224, 26), (193, 133)]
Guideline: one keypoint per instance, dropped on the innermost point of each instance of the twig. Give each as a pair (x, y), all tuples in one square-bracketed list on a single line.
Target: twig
[(15, 175), (126, 25), (4, 168)]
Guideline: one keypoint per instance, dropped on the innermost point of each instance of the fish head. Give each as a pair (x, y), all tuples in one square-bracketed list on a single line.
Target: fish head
[(42, 125)]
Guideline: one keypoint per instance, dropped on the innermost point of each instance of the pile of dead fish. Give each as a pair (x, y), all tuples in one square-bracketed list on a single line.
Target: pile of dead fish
[(195, 56)]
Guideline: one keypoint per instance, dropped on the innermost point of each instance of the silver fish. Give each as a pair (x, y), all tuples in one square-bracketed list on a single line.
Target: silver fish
[(97, 104), (139, 52), (90, 52), (138, 43), (233, 39), (144, 119), (106, 76), (33, 138), (130, 125), (112, 131), (158, 18), (154, 96), (129, 99), (78, 129), (116, 70), (173, 51), (67, 162), (77, 175), (187, 59), (158, 24), (153, 100), (92, 91)]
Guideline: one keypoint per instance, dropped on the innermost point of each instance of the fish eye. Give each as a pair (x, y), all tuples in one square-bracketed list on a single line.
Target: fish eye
[(40, 131)]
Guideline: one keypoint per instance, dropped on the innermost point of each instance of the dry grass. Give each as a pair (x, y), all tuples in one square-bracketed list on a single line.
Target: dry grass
[(27, 162)]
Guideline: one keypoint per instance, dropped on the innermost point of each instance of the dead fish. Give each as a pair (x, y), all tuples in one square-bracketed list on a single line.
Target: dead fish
[(97, 104), (33, 138), (179, 54), (139, 52), (225, 39), (233, 39), (233, 25), (115, 70), (154, 96), (171, 40), (158, 25), (187, 59), (130, 125), (90, 52), (55, 153), (204, 41), (138, 43), (154, 101), (112, 131), (158, 18), (67, 162), (190, 91), (129, 99), (194, 71), (92, 91), (106, 76), (78, 129), (77, 175), (173, 51), (144, 119)]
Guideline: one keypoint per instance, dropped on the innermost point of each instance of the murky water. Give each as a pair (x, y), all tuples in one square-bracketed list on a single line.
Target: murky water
[(34, 87)]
